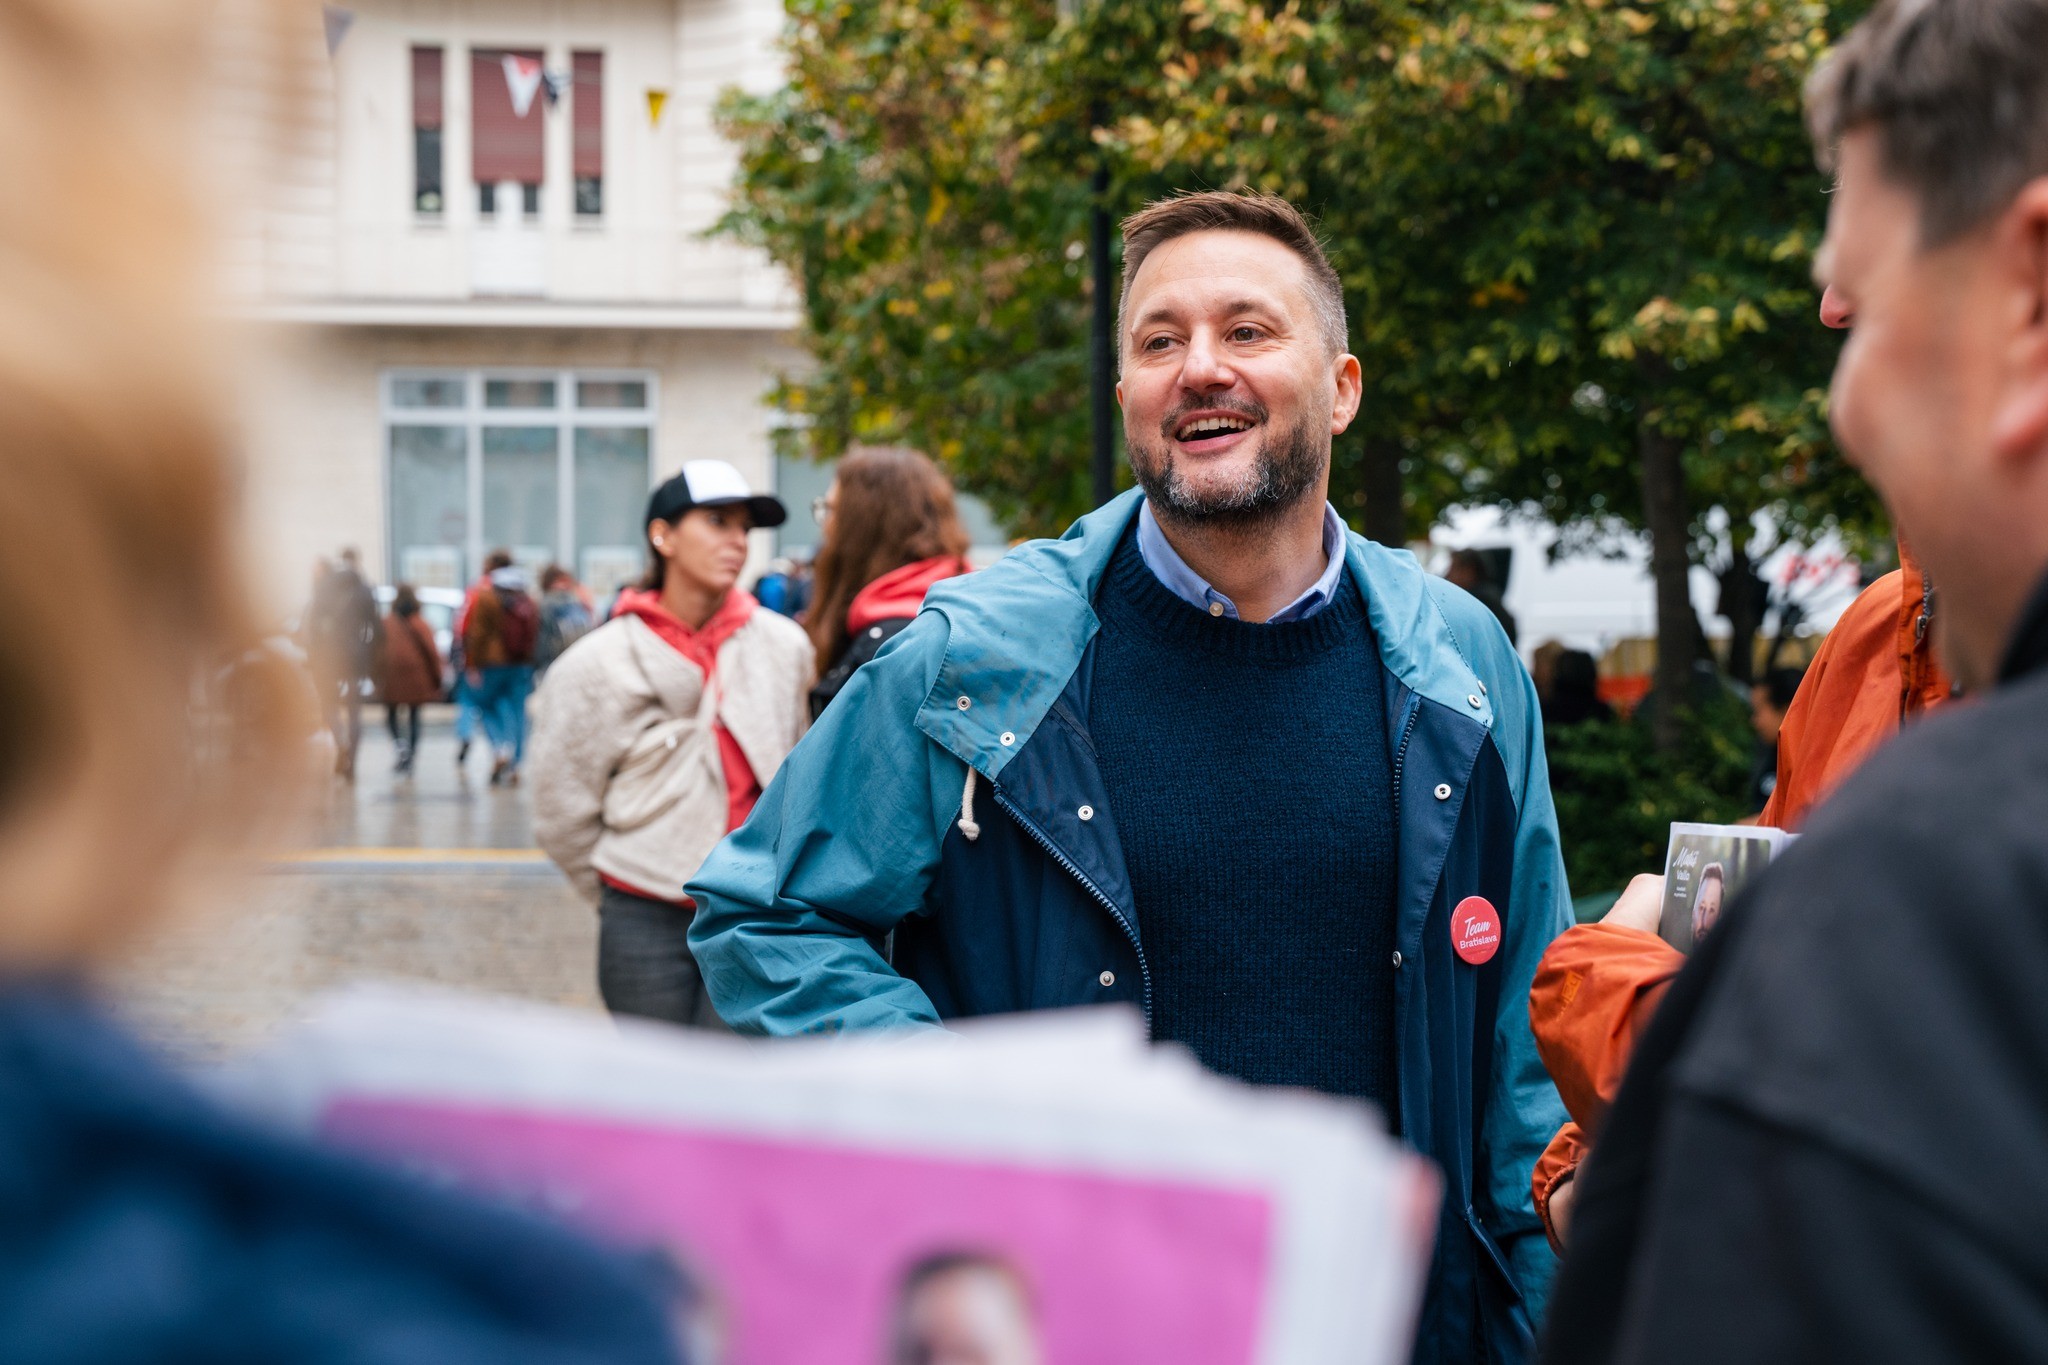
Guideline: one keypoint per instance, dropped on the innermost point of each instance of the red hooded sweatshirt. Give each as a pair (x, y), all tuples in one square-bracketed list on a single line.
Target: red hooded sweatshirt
[(900, 592), (700, 646)]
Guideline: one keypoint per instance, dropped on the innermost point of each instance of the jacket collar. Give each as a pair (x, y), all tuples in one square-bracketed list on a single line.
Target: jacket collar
[(2028, 650), (1018, 630)]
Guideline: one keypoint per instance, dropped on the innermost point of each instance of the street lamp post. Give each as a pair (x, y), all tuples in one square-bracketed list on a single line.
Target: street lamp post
[(1101, 335), (1102, 360)]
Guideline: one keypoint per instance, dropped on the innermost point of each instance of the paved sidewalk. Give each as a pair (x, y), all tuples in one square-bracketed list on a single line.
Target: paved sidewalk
[(430, 878), (435, 807)]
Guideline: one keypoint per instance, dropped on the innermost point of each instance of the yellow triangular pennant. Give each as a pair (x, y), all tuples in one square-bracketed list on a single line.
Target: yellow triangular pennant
[(655, 100)]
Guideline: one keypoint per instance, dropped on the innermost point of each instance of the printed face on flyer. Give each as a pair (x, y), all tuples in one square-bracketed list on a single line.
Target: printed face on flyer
[(1706, 866)]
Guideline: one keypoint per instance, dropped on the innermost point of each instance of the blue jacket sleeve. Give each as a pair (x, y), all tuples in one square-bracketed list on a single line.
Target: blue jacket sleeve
[(792, 906), (1523, 1111)]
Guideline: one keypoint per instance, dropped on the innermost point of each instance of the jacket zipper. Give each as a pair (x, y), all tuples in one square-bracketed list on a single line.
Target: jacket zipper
[(1401, 752), (1131, 935)]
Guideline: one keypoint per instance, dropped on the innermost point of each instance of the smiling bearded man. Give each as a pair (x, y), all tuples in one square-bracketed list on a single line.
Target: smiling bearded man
[(1208, 755)]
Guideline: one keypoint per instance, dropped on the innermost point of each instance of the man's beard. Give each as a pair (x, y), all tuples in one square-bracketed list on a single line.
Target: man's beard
[(1289, 466)]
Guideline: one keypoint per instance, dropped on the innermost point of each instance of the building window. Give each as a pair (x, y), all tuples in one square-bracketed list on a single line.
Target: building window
[(426, 130), (587, 110), (553, 466), (507, 127)]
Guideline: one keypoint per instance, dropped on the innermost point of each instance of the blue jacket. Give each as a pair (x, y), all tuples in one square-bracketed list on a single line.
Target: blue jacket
[(941, 845), (138, 1222)]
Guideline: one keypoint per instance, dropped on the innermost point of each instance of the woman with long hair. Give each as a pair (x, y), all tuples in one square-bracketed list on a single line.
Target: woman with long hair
[(654, 736), (147, 735), (891, 531)]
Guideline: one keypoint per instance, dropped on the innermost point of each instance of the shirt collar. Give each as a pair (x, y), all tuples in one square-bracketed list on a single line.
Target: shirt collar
[(1190, 587)]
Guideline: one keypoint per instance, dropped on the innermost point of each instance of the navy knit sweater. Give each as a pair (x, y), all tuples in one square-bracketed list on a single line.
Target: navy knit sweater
[(1249, 773)]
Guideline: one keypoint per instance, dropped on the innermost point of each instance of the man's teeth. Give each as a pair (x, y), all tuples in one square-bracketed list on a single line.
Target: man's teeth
[(1210, 426)]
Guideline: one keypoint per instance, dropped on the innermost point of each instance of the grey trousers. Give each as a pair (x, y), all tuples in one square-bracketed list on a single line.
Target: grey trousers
[(644, 967)]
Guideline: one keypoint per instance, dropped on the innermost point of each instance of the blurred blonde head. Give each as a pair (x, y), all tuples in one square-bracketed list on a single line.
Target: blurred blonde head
[(121, 591)]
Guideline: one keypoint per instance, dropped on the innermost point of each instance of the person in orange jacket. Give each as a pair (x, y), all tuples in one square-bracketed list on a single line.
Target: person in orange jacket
[(1598, 984)]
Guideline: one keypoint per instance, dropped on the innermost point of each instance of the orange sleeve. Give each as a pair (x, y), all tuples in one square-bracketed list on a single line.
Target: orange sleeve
[(1559, 1162), (1595, 989)]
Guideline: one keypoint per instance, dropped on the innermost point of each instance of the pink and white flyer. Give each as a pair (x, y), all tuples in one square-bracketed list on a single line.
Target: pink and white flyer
[(1047, 1191)]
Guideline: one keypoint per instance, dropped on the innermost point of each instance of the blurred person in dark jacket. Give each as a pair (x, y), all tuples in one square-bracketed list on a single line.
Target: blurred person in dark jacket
[(565, 616), (138, 1221), (1468, 569), (1770, 699), (1574, 695), (342, 638)]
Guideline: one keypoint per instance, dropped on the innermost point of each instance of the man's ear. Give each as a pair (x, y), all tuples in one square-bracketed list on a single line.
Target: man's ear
[(2019, 428), (1119, 395), (1350, 389)]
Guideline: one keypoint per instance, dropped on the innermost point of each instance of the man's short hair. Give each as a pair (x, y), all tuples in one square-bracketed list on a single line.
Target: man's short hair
[(1227, 211), (1957, 91)]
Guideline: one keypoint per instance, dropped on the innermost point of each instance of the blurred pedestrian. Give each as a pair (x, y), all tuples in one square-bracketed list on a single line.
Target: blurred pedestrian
[(143, 1222), (469, 716), (1575, 690), (891, 531), (412, 672), (497, 647), (1543, 668), (565, 616), (1830, 1143), (1210, 756), (785, 586), (1470, 571), (1770, 698), (655, 735), (342, 633)]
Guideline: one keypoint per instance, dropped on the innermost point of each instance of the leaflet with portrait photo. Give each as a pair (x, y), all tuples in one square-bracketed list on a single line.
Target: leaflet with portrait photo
[(1706, 866)]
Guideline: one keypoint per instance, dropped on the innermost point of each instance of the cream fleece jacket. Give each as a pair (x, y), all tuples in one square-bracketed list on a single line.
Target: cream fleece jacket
[(623, 762)]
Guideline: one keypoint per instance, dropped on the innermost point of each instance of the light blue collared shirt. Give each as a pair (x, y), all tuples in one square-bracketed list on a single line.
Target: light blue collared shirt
[(1183, 582)]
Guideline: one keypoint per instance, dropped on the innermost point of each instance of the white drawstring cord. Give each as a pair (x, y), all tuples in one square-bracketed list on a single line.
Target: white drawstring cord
[(966, 822)]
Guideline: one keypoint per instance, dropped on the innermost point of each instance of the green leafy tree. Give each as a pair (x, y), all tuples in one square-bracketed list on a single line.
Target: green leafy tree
[(1574, 238)]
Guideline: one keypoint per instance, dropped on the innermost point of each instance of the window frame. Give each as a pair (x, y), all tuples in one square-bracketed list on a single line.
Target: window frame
[(473, 417)]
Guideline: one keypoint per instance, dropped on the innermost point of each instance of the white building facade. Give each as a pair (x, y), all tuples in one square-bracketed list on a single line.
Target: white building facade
[(489, 311)]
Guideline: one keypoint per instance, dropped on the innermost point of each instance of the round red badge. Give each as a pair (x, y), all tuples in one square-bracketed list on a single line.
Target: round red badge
[(1475, 930)]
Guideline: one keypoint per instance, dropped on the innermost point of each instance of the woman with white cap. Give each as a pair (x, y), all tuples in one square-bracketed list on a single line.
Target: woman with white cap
[(654, 734)]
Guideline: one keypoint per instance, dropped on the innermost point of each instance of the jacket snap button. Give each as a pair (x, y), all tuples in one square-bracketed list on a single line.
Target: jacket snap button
[(1443, 791), (1397, 959), (1086, 812), (1474, 699), (874, 632), (1107, 978), (963, 703), (1008, 739)]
